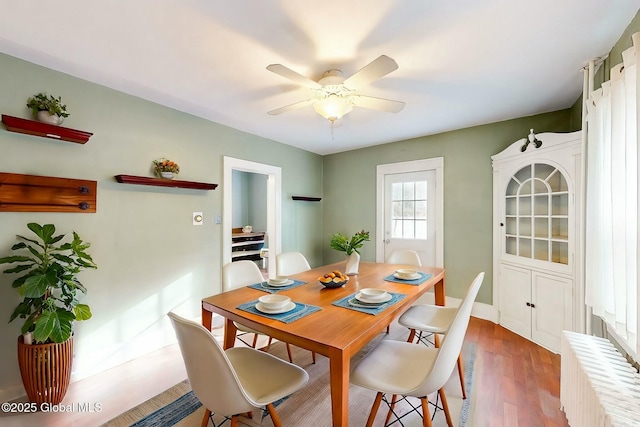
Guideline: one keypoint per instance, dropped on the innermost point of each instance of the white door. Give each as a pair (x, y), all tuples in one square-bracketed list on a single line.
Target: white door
[(410, 209), (410, 213), (551, 311), (515, 299)]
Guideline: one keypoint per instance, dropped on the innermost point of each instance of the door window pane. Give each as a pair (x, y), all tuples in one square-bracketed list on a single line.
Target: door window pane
[(409, 210)]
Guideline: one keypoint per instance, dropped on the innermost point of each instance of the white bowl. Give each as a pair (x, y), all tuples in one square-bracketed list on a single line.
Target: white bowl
[(274, 301), (279, 280), (406, 272), (373, 294)]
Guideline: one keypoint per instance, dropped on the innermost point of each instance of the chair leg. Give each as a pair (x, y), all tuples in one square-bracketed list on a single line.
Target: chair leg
[(461, 375), (255, 340), (289, 353), (234, 421), (313, 357), (412, 335), (391, 406), (426, 416), (374, 409), (445, 407), (268, 344), (205, 419), (387, 329), (274, 415)]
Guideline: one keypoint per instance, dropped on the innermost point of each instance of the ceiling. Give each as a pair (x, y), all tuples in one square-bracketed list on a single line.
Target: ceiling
[(461, 62)]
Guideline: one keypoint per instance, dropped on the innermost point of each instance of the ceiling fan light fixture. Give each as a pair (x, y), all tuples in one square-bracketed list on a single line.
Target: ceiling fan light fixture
[(333, 107)]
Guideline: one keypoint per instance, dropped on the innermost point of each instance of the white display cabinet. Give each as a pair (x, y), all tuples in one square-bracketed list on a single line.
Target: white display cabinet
[(537, 220)]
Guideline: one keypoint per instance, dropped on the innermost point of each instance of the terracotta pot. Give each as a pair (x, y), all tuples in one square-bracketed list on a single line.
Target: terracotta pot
[(45, 370)]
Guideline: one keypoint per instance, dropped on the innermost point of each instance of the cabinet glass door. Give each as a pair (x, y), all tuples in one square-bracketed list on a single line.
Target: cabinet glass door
[(537, 214)]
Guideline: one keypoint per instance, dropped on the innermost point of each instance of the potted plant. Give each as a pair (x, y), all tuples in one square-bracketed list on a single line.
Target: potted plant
[(166, 168), (49, 289), (48, 108), (342, 243)]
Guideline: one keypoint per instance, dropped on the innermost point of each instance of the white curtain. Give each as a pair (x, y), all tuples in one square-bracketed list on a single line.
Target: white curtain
[(611, 241)]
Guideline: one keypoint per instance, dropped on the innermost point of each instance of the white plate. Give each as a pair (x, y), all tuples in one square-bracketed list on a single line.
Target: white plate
[(382, 300), (354, 303), (288, 307), (412, 277), (287, 283)]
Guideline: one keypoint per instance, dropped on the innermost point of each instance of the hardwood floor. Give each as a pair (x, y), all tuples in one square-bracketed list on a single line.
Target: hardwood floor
[(519, 381), (518, 384)]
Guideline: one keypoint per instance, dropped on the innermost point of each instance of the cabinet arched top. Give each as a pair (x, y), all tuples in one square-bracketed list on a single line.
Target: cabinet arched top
[(550, 142)]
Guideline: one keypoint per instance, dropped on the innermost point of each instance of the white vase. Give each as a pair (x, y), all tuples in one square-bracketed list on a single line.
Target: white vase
[(166, 175), (353, 262), (52, 119), (27, 338)]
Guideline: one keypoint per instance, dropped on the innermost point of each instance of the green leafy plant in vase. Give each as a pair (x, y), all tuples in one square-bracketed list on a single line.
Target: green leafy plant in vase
[(350, 246), (48, 108), (48, 284)]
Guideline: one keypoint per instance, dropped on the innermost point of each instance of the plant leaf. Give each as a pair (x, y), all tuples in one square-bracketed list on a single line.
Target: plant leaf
[(19, 268), (82, 311), (19, 245), (35, 286), (36, 228), (45, 324), (15, 258)]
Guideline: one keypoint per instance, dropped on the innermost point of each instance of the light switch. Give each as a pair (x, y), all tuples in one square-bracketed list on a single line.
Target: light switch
[(198, 219), (218, 219)]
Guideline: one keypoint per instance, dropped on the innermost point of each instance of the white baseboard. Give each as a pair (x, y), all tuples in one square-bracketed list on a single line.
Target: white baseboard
[(12, 392)]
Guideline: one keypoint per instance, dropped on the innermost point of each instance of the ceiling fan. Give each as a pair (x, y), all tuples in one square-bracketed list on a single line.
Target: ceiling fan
[(336, 96)]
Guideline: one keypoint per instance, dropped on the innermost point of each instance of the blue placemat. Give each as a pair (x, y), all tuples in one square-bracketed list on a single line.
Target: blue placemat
[(299, 312), (423, 278), (266, 287), (375, 310)]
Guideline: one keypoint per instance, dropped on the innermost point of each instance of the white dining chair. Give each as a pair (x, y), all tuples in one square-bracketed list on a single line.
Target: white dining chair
[(237, 275), (434, 319), (236, 381), (409, 370), (288, 263), (404, 256)]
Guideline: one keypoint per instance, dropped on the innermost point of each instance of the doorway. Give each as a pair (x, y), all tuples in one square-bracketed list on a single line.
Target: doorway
[(271, 214), (410, 208)]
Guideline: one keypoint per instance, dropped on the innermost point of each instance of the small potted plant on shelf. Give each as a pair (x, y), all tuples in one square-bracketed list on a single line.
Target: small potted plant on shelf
[(166, 168), (342, 243), (48, 108), (48, 286)]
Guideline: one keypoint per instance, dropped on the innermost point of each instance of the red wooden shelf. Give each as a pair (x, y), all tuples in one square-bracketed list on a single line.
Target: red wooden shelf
[(159, 182), (31, 127)]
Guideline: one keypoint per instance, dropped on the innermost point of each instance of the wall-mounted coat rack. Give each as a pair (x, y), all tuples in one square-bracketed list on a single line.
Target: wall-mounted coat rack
[(33, 193)]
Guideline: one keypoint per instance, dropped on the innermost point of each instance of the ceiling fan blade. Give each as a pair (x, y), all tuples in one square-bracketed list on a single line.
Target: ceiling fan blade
[(381, 104), (290, 107), (377, 68), (292, 75)]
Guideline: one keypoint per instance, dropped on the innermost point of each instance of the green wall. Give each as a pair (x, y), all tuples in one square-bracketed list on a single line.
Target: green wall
[(350, 192), (151, 258)]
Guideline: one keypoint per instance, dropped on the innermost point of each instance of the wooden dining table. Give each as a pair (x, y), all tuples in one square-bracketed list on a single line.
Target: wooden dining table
[(335, 332)]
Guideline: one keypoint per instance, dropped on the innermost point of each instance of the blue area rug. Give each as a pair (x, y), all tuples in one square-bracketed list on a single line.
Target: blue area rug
[(187, 404)]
